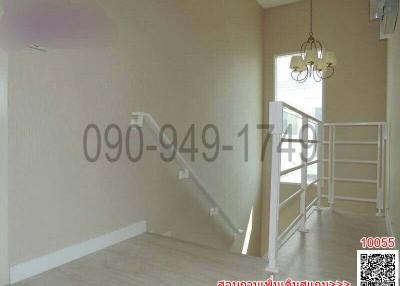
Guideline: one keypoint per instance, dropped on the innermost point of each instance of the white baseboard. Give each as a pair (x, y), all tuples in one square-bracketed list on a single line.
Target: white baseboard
[(389, 226), (42, 264)]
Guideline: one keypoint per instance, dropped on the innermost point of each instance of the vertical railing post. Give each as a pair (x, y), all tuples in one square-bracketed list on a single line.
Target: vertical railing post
[(332, 149), (386, 173), (320, 158), (329, 165), (379, 170), (322, 138), (276, 122), (383, 167), (333, 165), (304, 161)]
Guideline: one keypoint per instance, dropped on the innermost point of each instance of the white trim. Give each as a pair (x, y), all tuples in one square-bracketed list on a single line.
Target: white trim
[(4, 263), (389, 226), (47, 262)]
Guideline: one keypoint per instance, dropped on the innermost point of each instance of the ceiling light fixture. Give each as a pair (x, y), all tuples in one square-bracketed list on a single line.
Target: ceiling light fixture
[(313, 60)]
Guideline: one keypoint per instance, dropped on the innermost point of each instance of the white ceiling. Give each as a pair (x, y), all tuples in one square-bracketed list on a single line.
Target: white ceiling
[(274, 3)]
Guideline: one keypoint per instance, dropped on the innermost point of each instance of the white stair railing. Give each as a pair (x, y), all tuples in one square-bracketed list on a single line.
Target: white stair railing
[(381, 146), (187, 172), (277, 130)]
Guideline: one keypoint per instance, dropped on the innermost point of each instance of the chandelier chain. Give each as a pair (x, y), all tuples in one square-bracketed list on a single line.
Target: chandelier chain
[(311, 17)]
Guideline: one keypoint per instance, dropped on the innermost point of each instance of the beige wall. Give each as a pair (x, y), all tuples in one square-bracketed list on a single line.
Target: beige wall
[(393, 117), (182, 61), (357, 90)]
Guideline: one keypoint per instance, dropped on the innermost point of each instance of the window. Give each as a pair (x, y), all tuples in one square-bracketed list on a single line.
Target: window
[(306, 97)]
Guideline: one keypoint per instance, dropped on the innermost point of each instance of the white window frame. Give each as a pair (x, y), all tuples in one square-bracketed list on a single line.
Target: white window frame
[(4, 259)]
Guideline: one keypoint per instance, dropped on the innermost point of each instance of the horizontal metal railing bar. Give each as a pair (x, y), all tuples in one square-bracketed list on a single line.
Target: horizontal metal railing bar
[(295, 195), (312, 163), (344, 124), (296, 220), (291, 225), (355, 199), (357, 162), (287, 140), (312, 183), (366, 162), (312, 203), (291, 198), (350, 180), (301, 112), (286, 237), (287, 171), (354, 142)]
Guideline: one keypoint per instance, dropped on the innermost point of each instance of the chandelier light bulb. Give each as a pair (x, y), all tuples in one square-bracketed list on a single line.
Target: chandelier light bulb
[(330, 58), (321, 65), (296, 63), (311, 56)]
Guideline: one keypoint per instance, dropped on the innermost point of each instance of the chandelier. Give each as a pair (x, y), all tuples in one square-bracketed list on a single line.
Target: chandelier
[(313, 61)]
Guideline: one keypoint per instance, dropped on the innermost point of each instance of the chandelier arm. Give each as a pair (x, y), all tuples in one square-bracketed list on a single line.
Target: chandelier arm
[(316, 75), (298, 78), (321, 48), (292, 73), (311, 44), (305, 78), (303, 48), (307, 74)]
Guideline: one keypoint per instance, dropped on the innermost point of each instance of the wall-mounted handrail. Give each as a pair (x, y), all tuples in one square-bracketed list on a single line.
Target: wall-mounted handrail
[(276, 239), (187, 172)]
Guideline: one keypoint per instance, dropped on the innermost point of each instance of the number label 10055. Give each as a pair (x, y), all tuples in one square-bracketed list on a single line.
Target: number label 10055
[(378, 242)]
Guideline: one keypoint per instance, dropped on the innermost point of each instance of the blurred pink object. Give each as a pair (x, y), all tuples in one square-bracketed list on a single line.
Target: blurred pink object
[(56, 24)]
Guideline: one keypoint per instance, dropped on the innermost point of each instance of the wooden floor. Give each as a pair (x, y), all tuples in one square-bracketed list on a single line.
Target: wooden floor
[(328, 251), (153, 260)]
